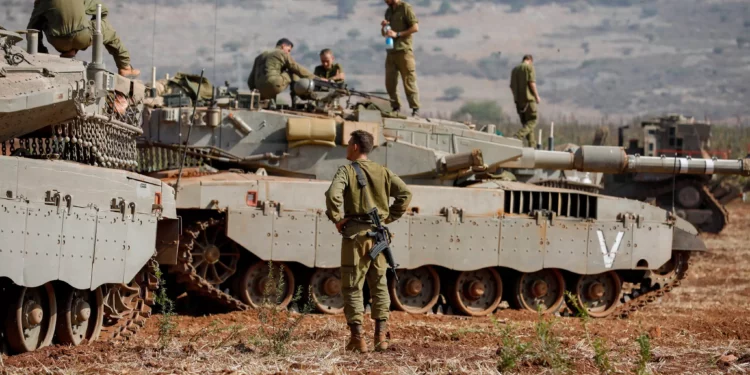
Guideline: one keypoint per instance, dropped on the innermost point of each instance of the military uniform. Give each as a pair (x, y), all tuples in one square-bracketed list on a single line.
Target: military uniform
[(271, 73), (70, 25), (526, 105), (356, 265), (336, 68), (400, 59)]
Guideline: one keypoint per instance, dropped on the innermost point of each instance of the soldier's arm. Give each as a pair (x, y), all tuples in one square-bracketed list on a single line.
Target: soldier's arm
[(340, 76), (402, 197), (298, 69), (411, 19), (335, 195), (531, 75)]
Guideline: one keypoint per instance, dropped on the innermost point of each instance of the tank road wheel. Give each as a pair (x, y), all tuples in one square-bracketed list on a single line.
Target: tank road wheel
[(326, 290), (31, 319), (477, 293), (215, 256), (257, 285), (543, 289), (81, 315), (417, 290), (598, 294)]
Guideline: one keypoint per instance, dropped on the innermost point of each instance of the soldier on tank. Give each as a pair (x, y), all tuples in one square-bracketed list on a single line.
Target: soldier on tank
[(356, 265), (328, 69), (526, 97), (400, 59), (274, 70), (70, 26)]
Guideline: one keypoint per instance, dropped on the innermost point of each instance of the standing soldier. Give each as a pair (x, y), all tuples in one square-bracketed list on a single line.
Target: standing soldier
[(328, 69), (400, 59), (272, 70), (70, 26), (526, 97), (356, 265)]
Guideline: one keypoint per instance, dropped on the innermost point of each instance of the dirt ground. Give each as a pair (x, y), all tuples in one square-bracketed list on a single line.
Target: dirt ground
[(702, 327)]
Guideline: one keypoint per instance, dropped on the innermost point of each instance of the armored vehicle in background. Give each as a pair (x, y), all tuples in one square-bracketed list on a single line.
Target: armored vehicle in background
[(253, 192), (77, 239), (697, 199)]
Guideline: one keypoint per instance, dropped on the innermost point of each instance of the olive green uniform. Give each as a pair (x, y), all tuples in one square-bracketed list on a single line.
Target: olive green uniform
[(400, 59), (272, 73), (70, 24), (520, 78), (336, 68), (356, 265)]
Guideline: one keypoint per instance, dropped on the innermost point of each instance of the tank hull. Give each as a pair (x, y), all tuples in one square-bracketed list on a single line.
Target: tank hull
[(513, 230), (76, 238)]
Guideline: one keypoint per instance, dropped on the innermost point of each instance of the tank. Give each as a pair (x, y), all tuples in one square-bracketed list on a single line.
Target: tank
[(252, 191), (697, 199), (78, 234)]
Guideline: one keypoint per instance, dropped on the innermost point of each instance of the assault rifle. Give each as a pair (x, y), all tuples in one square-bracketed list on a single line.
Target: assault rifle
[(341, 89), (382, 241)]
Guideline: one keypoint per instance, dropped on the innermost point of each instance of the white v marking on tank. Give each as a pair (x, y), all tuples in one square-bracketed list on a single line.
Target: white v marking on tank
[(609, 254)]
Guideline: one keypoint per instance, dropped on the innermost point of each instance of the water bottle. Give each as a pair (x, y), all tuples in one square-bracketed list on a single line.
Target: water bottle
[(388, 40)]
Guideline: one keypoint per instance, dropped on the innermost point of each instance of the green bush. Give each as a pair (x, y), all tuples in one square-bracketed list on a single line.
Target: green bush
[(448, 33), (482, 112)]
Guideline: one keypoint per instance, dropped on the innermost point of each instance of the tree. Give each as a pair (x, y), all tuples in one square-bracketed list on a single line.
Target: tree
[(353, 33), (345, 8), (482, 112), (453, 93)]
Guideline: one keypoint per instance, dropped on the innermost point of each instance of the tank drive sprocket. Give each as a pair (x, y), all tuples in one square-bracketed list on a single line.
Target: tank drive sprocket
[(195, 249), (655, 284), (128, 306)]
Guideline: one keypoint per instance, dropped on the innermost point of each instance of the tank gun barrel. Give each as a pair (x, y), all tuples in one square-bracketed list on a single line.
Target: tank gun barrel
[(610, 159)]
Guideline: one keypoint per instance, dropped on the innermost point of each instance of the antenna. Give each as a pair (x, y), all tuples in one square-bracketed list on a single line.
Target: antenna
[(216, 26), (187, 139)]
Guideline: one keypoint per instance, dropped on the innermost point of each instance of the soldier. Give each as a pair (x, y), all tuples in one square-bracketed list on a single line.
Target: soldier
[(70, 26), (526, 97), (272, 70), (400, 59), (329, 70), (356, 265)]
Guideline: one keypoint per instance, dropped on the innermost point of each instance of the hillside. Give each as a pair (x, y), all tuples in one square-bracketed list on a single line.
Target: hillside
[(628, 59)]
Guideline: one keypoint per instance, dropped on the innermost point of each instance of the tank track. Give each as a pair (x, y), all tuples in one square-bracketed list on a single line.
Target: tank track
[(638, 299), (186, 274), (128, 326), (712, 203)]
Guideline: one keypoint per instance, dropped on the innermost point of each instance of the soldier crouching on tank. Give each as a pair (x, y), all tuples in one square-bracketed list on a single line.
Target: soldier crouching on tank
[(274, 70), (356, 265), (70, 26)]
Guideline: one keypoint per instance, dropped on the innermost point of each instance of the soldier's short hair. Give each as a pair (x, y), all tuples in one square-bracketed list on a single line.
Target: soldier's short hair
[(284, 41), (364, 140), (325, 51), (527, 57)]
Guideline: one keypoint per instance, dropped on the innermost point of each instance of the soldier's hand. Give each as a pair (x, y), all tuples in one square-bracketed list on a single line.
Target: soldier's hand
[(383, 23), (538, 99), (340, 224), (390, 33)]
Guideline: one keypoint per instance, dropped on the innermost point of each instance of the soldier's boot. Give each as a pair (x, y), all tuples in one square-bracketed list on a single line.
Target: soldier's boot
[(129, 71), (415, 112), (381, 335), (356, 341)]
